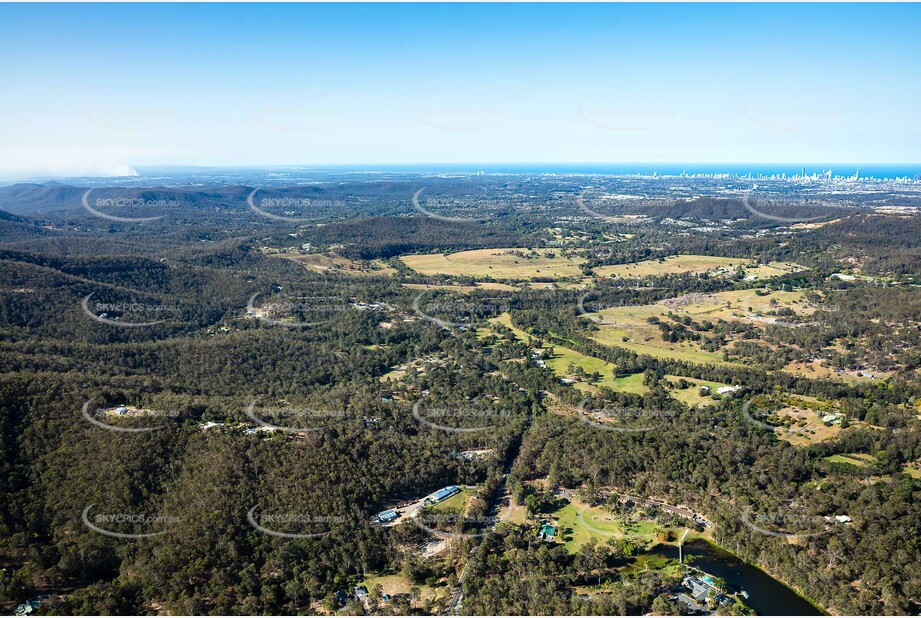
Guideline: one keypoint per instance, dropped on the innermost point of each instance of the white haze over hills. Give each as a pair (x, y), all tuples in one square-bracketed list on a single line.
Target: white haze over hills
[(24, 163)]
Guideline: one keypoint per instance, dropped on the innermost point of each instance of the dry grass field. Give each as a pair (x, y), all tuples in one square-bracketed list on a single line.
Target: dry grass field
[(516, 264), (821, 369), (697, 264), (463, 289), (330, 263), (774, 269), (671, 265), (807, 427), (691, 396), (630, 323)]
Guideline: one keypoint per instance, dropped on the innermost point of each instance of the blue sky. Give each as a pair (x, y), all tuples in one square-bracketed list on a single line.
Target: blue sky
[(104, 88)]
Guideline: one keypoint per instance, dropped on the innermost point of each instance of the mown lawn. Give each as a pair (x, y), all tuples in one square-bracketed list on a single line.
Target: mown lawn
[(579, 523), (860, 460)]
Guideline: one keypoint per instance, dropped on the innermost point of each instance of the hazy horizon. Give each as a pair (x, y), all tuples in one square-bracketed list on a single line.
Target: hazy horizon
[(292, 173)]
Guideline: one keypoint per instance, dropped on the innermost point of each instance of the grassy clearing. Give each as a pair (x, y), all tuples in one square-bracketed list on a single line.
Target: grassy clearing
[(773, 269), (497, 264), (691, 396), (514, 513), (743, 305), (559, 285), (394, 375), (457, 502), (632, 383), (859, 460), (677, 264), (563, 357), (807, 426), (672, 265), (820, 368), (505, 319), (813, 226), (400, 584), (800, 422), (644, 341), (628, 327), (463, 289), (579, 523), (330, 263)]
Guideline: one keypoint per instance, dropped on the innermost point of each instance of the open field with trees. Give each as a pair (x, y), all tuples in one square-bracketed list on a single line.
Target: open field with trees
[(518, 264)]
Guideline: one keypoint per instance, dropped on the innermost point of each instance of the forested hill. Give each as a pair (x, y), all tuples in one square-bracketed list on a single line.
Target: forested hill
[(202, 412)]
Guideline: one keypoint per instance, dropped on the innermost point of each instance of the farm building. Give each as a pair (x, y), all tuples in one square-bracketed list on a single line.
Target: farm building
[(387, 516), (442, 494)]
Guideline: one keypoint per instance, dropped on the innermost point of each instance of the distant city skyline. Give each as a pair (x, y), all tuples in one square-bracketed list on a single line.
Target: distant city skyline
[(106, 90)]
